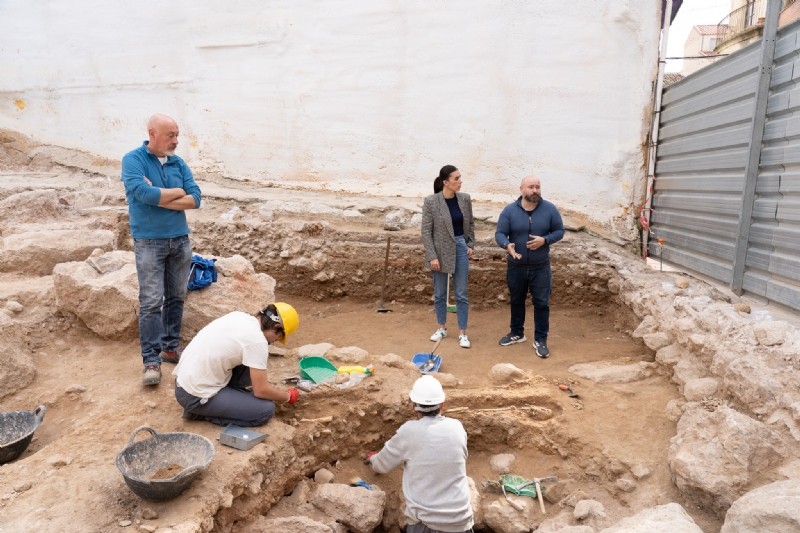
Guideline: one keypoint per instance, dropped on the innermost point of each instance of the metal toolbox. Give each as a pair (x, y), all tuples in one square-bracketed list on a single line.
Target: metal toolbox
[(239, 437)]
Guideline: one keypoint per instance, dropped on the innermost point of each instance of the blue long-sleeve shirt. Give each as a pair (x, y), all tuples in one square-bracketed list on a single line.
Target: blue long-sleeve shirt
[(516, 225), (147, 219)]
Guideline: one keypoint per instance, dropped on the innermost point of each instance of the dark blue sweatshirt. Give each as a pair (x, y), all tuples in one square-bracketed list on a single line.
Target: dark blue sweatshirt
[(516, 225)]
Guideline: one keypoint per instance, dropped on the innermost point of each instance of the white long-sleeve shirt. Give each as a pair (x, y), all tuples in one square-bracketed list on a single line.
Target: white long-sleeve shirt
[(434, 452)]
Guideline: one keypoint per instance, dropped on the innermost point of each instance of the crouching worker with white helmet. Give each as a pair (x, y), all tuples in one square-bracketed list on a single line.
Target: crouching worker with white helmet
[(222, 373), (433, 450)]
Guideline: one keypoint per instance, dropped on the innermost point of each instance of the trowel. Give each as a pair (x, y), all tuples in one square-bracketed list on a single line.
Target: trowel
[(568, 388)]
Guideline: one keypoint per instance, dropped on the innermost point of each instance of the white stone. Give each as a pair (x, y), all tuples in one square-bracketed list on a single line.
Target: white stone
[(699, 388), (588, 509), (774, 507), (323, 475), (505, 373), (668, 518), (772, 332), (608, 372), (501, 463), (359, 509), (714, 455)]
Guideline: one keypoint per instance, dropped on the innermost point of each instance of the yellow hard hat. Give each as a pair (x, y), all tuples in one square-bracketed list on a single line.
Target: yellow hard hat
[(289, 317)]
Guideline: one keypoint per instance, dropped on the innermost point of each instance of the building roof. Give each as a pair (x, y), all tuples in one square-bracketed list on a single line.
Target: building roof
[(710, 29), (672, 77)]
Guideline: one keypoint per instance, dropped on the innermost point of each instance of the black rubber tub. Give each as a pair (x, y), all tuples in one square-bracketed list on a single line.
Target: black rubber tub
[(165, 464), (16, 432)]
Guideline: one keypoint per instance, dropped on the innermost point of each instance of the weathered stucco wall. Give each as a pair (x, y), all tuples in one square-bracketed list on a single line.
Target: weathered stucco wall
[(360, 96)]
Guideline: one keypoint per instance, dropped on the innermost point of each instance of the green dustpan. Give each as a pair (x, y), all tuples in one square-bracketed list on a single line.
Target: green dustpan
[(518, 485), (316, 368)]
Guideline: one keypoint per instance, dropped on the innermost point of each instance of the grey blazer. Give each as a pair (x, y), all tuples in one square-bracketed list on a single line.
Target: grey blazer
[(437, 230)]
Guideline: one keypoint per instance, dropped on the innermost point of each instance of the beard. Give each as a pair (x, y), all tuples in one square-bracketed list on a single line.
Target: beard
[(533, 197)]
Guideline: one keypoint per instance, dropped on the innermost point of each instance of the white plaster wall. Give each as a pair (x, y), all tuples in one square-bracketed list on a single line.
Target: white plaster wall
[(369, 96)]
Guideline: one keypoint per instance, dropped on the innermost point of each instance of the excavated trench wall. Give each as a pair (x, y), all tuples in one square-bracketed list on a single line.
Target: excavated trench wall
[(326, 260)]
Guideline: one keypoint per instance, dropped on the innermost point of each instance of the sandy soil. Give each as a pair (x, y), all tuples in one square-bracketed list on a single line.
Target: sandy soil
[(67, 479), (94, 401)]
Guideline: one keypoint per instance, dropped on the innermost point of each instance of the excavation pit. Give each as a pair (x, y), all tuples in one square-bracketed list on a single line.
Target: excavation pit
[(657, 359)]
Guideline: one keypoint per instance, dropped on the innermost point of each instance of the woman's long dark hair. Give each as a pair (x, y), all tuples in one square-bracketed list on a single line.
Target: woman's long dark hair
[(444, 174)]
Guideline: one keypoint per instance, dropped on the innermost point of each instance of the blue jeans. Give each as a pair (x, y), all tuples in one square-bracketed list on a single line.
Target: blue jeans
[(232, 404), (459, 287), (539, 282), (162, 266)]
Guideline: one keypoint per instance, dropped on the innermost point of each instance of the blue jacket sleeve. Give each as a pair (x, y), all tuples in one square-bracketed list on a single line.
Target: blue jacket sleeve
[(189, 185), (502, 229), (556, 228), (133, 174)]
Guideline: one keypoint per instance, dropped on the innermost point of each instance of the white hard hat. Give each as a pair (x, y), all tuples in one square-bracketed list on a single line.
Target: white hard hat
[(427, 391)]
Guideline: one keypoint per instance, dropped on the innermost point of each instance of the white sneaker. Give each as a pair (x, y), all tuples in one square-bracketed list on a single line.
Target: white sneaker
[(439, 335), (463, 341)]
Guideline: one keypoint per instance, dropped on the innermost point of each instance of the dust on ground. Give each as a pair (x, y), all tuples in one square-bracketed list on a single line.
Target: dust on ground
[(67, 479)]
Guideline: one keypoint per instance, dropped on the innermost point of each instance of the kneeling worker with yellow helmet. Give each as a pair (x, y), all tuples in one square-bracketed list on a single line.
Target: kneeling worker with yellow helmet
[(228, 358), (433, 450)]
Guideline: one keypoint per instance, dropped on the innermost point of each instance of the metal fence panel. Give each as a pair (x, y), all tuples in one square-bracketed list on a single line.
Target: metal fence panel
[(701, 159)]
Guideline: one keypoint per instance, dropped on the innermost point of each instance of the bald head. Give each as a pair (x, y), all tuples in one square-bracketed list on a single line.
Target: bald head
[(531, 189), (163, 133)]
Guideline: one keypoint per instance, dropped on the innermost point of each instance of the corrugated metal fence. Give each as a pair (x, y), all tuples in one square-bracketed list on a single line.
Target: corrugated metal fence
[(716, 129)]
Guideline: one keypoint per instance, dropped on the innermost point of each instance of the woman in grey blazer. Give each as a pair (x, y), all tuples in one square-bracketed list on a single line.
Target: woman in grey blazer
[(448, 235)]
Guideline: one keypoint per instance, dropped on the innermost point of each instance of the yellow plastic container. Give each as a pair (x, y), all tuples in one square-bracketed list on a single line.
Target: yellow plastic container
[(356, 369)]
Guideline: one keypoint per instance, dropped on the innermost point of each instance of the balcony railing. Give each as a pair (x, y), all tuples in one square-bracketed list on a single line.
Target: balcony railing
[(740, 20)]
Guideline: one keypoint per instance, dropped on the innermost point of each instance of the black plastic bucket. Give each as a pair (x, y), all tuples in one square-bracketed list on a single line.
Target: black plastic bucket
[(16, 432), (140, 460)]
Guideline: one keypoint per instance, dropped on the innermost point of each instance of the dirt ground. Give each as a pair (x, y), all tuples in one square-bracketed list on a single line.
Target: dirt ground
[(67, 479), (94, 401)]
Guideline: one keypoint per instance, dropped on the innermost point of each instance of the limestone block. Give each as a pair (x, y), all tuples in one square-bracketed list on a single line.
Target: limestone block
[(771, 333), (585, 509), (476, 500), (313, 349), (323, 475), (102, 291), (396, 220), (648, 325), (668, 518), (17, 369), (656, 341), (608, 372), (772, 508), (359, 509), (238, 288), (714, 455), (699, 388), (500, 516), (30, 207), (505, 373), (688, 369), (37, 252), (447, 380), (395, 361), (670, 355), (351, 355), (501, 463), (294, 524)]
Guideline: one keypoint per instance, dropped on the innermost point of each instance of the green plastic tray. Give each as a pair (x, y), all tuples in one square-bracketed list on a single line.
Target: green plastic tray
[(316, 368)]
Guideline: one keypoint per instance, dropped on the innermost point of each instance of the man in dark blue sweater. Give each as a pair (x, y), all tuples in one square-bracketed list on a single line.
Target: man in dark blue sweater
[(160, 187), (526, 229)]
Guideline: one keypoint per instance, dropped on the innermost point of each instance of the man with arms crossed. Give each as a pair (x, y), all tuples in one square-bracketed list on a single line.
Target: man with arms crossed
[(159, 187)]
